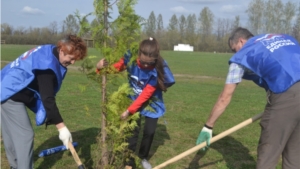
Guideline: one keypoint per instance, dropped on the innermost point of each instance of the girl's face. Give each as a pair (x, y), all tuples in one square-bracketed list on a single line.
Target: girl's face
[(66, 59), (146, 61)]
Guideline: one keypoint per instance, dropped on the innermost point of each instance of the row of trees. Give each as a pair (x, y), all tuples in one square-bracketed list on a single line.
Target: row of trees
[(50, 34), (207, 33), (203, 31)]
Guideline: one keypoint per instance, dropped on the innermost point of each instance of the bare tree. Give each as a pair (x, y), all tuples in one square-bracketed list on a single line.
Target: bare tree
[(70, 25), (269, 17), (160, 26), (53, 27), (236, 22), (255, 13), (34, 32), (47, 35), (206, 20), (21, 30), (172, 35), (173, 24), (182, 28), (289, 13), (160, 23), (190, 32), (150, 26), (160, 31), (6, 29), (224, 28), (296, 27)]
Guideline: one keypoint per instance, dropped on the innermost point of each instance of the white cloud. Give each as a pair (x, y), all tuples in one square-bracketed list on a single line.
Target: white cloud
[(179, 9), (232, 8), (32, 11)]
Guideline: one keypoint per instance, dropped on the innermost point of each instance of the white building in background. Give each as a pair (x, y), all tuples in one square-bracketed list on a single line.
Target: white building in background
[(183, 47)]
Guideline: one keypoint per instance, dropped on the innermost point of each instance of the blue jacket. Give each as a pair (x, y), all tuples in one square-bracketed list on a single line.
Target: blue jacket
[(139, 78), (18, 74), (274, 60)]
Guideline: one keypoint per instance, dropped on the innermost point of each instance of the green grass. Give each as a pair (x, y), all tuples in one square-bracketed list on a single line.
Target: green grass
[(11, 52), (197, 63), (188, 105)]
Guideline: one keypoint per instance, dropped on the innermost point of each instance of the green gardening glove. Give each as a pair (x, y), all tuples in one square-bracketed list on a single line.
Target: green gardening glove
[(205, 135)]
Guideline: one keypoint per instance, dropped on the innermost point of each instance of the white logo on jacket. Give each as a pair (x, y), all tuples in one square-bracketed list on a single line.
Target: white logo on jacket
[(274, 41), (137, 84)]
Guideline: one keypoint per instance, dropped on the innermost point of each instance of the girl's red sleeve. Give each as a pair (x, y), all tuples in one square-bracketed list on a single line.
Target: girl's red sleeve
[(142, 98), (119, 66)]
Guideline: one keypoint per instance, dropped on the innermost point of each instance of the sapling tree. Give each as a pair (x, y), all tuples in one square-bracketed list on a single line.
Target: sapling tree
[(113, 39)]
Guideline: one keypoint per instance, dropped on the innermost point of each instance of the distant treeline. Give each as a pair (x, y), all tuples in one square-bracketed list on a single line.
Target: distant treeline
[(203, 31)]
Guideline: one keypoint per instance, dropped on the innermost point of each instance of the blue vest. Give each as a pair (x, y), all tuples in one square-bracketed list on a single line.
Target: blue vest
[(18, 74), (274, 61), (139, 78)]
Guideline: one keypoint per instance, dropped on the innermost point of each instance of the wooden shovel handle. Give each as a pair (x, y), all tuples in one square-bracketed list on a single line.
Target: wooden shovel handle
[(75, 156), (214, 139)]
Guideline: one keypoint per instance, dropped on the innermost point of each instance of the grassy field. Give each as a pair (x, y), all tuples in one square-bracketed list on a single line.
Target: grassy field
[(199, 80)]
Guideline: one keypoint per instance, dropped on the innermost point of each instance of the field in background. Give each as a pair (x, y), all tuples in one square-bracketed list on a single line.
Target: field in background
[(191, 63), (199, 80)]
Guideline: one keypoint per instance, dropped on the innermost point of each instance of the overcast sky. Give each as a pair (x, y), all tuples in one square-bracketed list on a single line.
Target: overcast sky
[(40, 13)]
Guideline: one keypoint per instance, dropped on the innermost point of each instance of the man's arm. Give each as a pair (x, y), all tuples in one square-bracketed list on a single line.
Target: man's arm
[(234, 77), (221, 104)]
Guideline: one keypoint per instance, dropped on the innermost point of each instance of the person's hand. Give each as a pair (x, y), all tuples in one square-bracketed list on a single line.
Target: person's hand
[(204, 135), (65, 136), (124, 115), (102, 63)]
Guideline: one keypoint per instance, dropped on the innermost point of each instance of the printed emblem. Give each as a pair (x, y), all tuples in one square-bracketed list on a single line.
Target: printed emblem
[(274, 41), (137, 84)]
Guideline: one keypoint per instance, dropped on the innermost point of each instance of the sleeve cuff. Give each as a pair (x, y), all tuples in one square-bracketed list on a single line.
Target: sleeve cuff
[(97, 71), (208, 126), (131, 111)]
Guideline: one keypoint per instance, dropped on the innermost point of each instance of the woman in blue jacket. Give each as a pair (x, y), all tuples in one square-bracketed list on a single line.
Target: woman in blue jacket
[(32, 81)]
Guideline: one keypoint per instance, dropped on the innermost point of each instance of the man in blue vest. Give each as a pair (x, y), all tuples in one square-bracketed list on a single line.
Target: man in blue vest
[(32, 81), (272, 61)]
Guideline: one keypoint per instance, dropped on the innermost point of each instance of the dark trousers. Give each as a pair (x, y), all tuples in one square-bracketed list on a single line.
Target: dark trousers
[(280, 131), (148, 135)]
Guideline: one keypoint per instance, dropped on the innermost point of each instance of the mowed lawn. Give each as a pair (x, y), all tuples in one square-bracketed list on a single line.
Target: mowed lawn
[(199, 80)]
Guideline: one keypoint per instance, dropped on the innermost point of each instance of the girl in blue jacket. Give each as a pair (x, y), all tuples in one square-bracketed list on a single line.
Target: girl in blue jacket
[(149, 76)]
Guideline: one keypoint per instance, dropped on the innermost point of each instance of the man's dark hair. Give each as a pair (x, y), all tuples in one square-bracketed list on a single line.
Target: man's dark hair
[(237, 33)]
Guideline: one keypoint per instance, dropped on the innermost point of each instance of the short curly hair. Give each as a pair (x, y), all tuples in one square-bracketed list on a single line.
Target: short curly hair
[(73, 45)]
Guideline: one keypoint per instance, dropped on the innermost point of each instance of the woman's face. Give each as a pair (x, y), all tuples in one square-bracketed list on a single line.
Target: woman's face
[(66, 59), (146, 61)]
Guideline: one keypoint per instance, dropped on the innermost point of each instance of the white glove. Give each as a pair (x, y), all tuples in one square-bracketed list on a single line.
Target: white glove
[(65, 136)]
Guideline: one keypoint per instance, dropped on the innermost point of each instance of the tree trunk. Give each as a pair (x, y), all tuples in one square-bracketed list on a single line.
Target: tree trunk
[(104, 153)]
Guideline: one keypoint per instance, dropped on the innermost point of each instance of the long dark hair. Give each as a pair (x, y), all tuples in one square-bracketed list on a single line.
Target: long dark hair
[(150, 48)]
